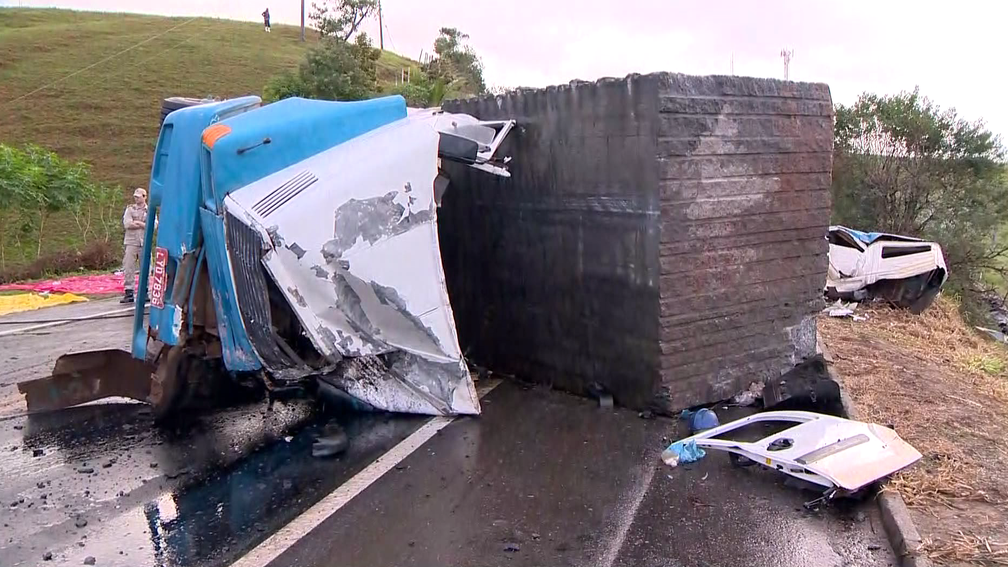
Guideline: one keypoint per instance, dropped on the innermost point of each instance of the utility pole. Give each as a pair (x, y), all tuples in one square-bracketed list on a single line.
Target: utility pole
[(302, 21), (381, 29), (787, 54)]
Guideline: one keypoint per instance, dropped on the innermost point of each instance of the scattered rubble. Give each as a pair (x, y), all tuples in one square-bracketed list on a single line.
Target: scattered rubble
[(749, 396), (842, 309)]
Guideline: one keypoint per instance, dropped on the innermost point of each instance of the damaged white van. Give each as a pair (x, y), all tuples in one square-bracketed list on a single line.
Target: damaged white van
[(905, 271)]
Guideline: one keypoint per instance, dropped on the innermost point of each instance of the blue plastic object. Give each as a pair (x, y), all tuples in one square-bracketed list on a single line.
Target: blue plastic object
[(680, 453), (700, 420)]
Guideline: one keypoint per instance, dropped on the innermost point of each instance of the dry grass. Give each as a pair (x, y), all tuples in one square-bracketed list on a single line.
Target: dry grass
[(944, 387)]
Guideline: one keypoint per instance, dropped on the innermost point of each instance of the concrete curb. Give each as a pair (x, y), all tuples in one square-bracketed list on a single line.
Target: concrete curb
[(899, 527)]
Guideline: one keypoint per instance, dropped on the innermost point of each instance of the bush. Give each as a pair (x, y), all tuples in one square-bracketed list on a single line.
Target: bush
[(96, 255), (36, 184), (284, 85), (420, 93)]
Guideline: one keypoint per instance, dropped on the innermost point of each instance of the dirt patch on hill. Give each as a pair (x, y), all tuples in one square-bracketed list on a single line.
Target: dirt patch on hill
[(944, 387)]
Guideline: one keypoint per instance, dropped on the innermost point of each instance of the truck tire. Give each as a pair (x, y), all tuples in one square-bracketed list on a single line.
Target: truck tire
[(168, 382), (171, 104)]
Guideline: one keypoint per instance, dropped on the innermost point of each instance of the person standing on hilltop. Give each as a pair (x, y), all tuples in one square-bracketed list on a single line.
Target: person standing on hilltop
[(265, 16), (134, 225)]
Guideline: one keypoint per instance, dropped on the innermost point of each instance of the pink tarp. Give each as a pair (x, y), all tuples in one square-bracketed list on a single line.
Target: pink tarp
[(81, 285)]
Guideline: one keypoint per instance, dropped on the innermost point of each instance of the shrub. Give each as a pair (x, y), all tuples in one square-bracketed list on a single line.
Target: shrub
[(96, 255)]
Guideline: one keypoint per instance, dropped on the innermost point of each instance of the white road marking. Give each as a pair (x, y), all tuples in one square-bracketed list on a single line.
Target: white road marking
[(285, 537), (628, 513), (66, 321)]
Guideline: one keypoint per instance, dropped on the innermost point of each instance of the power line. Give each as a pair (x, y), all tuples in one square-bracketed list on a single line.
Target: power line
[(140, 63), (93, 65), (392, 43)]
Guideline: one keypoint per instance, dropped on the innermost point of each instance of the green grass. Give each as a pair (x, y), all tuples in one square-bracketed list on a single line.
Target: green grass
[(107, 115)]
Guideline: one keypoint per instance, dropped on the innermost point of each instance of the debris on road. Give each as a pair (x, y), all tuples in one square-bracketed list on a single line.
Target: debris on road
[(905, 271), (839, 455), (602, 394), (700, 420), (806, 387), (89, 560), (842, 309), (332, 442), (682, 453), (749, 396)]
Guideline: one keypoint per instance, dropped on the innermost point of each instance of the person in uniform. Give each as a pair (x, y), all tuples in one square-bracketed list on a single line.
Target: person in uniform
[(134, 225)]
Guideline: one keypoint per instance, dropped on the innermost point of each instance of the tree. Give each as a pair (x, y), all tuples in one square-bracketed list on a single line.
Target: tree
[(338, 70), (901, 164), (421, 92), (53, 185), (82, 208), (11, 188), (457, 64), (110, 202), (341, 18)]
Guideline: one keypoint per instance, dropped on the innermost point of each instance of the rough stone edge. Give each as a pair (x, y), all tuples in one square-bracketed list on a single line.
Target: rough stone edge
[(903, 536), (453, 104)]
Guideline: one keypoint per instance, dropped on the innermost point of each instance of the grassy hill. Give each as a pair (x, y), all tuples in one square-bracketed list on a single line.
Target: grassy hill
[(89, 85)]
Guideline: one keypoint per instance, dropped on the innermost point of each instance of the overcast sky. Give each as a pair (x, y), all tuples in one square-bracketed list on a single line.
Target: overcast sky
[(955, 51)]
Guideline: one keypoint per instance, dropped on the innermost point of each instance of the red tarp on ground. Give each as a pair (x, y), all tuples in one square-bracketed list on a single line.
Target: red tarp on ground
[(81, 285)]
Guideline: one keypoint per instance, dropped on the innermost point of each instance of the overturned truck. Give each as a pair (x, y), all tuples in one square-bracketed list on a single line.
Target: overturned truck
[(658, 236)]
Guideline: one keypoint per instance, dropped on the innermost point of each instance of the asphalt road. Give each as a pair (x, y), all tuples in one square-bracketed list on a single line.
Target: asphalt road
[(540, 478)]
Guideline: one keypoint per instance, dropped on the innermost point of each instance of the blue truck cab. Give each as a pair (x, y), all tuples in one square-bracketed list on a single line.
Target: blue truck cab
[(179, 250), (255, 214), (204, 153)]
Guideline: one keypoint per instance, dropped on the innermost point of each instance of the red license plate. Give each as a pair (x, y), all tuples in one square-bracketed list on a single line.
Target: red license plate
[(160, 278)]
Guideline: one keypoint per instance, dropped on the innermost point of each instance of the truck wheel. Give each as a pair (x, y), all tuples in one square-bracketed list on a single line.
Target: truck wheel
[(174, 103), (168, 382)]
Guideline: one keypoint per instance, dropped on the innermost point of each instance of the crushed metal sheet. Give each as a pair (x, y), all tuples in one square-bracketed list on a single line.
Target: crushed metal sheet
[(370, 287)]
